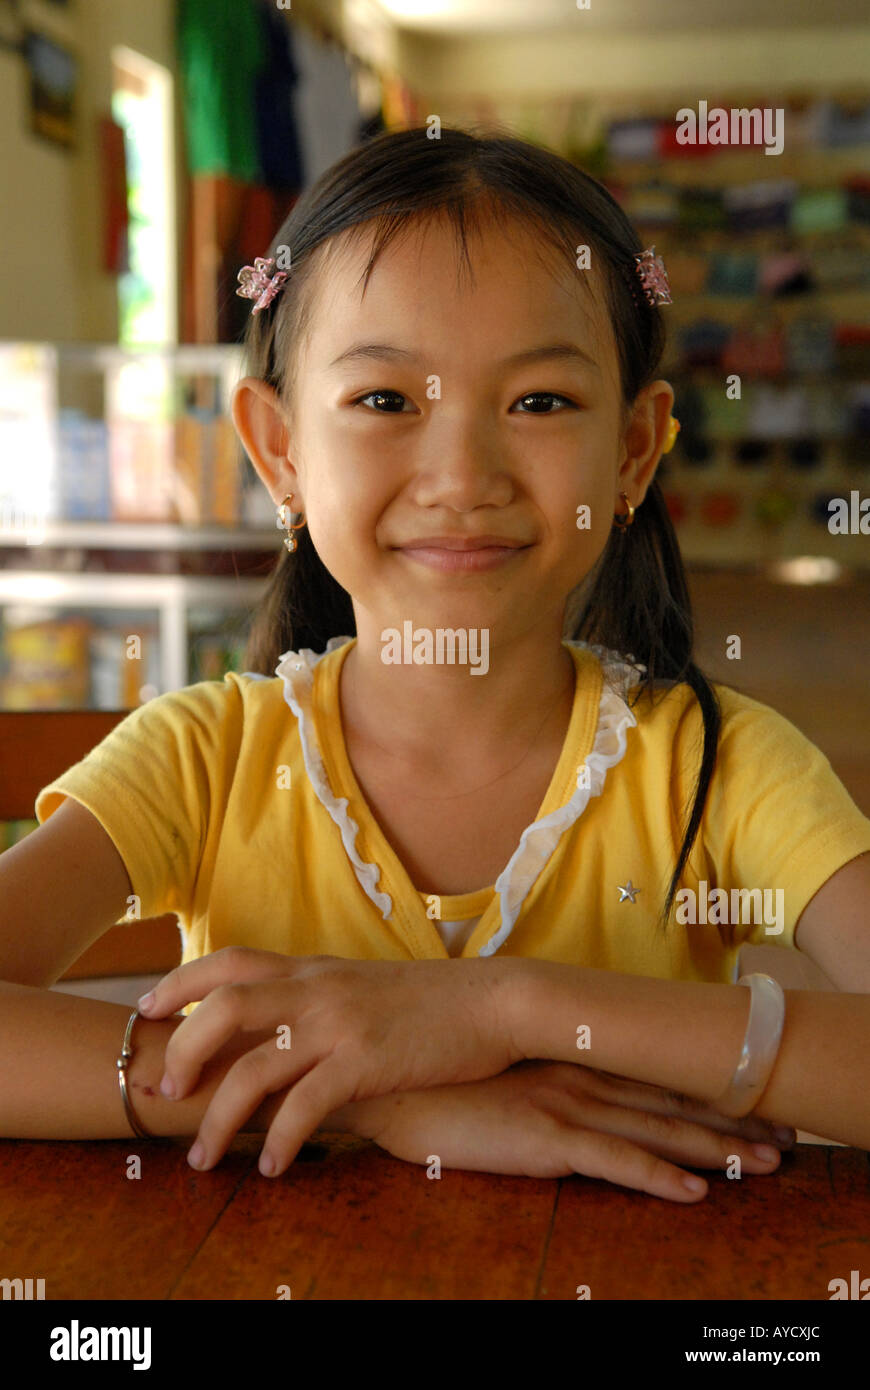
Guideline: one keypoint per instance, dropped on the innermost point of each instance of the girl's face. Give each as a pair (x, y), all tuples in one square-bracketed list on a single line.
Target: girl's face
[(440, 406)]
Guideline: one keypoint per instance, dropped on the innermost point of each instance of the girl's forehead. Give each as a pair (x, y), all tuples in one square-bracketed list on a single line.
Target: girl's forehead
[(426, 267), (435, 246)]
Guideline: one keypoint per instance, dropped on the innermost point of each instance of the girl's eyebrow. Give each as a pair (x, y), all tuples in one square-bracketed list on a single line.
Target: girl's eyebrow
[(386, 352)]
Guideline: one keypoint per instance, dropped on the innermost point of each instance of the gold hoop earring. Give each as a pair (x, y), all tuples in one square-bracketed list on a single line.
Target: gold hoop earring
[(622, 520), (289, 540)]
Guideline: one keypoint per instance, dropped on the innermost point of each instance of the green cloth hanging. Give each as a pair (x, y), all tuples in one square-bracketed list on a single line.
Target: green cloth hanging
[(221, 48)]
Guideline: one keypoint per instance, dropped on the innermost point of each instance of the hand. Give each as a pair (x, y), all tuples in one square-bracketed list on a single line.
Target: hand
[(340, 1030), (552, 1119)]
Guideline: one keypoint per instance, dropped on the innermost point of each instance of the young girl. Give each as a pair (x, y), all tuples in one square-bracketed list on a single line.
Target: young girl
[(442, 859)]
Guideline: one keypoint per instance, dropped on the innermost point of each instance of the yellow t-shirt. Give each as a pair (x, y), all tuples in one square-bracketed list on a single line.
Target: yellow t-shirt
[(233, 804)]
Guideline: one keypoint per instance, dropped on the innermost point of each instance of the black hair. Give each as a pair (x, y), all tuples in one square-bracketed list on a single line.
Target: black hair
[(636, 599)]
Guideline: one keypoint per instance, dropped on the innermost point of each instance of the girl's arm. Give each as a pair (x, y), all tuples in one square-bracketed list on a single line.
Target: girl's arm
[(60, 888), (687, 1037), (59, 1081), (58, 1078), (834, 930)]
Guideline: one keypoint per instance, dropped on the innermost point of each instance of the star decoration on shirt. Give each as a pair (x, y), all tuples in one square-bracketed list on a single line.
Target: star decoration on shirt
[(628, 892)]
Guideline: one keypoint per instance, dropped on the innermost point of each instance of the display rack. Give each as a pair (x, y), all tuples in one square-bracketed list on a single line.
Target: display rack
[(137, 516), (769, 261)]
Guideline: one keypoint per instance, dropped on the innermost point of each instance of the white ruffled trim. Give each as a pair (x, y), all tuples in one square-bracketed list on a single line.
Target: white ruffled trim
[(537, 841), (296, 669)]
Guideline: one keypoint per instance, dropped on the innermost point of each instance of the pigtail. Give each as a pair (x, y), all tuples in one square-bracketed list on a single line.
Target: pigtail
[(638, 603)]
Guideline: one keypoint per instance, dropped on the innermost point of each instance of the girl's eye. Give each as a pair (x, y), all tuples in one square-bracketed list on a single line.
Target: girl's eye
[(389, 396), (545, 396), (390, 402)]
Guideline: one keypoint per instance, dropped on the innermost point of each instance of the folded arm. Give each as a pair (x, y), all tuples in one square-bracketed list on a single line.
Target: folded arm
[(687, 1037), (59, 1079)]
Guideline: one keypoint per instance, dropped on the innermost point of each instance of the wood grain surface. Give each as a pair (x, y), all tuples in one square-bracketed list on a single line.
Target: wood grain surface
[(348, 1221)]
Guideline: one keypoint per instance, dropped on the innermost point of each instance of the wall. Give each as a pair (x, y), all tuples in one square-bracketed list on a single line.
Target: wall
[(51, 198), (634, 65)]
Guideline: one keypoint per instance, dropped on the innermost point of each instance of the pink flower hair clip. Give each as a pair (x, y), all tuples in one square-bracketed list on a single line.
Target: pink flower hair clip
[(653, 277), (255, 283)]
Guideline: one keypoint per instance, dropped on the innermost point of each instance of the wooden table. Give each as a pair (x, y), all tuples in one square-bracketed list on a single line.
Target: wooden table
[(347, 1221)]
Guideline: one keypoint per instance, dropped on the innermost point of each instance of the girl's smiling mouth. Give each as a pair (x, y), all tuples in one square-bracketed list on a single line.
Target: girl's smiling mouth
[(463, 553)]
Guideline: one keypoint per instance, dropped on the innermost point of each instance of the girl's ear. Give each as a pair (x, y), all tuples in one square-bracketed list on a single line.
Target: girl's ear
[(644, 439), (261, 424)]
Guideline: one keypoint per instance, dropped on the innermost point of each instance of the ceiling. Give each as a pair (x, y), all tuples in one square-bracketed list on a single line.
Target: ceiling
[(466, 17)]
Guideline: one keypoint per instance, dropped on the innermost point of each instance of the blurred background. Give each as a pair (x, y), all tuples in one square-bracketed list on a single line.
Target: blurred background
[(149, 150)]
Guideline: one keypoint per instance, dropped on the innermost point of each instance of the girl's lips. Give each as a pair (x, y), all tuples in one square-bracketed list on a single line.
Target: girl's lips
[(483, 558)]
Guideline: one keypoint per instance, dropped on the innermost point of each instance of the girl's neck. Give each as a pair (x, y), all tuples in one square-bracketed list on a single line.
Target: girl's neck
[(439, 719)]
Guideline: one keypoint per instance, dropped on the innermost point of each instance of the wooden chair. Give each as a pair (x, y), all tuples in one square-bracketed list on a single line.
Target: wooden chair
[(34, 749)]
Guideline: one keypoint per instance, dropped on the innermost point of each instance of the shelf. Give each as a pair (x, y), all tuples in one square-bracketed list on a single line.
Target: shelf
[(171, 595), (186, 357), (117, 535), (140, 434), (842, 301), (812, 166), (127, 590)]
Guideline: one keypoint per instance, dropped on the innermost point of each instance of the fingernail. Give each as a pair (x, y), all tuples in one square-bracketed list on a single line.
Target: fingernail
[(784, 1134), (267, 1164), (694, 1184), (196, 1155), (146, 1002), (766, 1152), (167, 1087)]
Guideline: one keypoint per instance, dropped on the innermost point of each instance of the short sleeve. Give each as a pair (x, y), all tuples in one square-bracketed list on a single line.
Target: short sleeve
[(777, 818), (154, 783)]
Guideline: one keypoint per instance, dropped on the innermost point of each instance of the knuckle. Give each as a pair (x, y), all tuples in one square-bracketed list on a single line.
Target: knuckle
[(170, 980), (748, 1133), (558, 1080), (564, 1073), (544, 1117), (609, 1155), (317, 965), (654, 1170), (252, 1066), (551, 1091), (234, 956), (226, 1000), (544, 1100), (662, 1126), (588, 1084), (608, 1147)]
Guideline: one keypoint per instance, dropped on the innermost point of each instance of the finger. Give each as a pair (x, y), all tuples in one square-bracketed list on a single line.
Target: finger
[(640, 1096), (195, 979), (750, 1127), (671, 1136), (228, 1009), (614, 1159), (320, 1091), (251, 1078)]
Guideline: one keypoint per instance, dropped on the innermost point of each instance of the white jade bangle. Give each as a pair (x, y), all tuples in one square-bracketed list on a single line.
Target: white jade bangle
[(760, 1047)]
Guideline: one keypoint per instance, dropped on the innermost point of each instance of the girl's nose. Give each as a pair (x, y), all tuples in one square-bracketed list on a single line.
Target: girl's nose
[(465, 471)]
